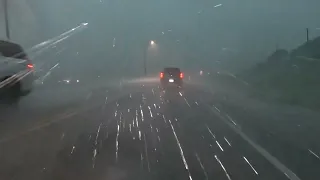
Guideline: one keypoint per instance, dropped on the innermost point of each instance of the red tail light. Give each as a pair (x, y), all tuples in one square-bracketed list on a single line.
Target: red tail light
[(161, 75), (30, 66), (181, 75)]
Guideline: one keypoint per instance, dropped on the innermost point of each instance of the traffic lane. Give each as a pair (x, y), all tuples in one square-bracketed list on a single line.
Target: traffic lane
[(294, 145), (30, 154), (45, 105), (155, 135)]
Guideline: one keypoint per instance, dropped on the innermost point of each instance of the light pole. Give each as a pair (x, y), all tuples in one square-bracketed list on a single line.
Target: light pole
[(6, 18), (145, 53)]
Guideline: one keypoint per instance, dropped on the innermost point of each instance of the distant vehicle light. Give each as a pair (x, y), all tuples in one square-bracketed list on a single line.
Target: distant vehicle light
[(161, 75), (181, 75)]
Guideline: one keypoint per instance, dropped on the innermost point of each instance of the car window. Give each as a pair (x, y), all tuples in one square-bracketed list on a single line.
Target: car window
[(172, 70), (8, 49)]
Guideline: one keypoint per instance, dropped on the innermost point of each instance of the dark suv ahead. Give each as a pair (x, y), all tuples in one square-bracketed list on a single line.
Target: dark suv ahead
[(171, 76)]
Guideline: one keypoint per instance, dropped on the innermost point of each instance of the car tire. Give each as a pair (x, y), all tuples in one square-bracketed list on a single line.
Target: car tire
[(14, 93)]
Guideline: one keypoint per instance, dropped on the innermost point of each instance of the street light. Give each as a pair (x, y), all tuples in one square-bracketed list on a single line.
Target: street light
[(150, 43)]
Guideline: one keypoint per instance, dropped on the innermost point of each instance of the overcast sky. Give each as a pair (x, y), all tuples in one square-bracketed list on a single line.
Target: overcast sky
[(202, 26)]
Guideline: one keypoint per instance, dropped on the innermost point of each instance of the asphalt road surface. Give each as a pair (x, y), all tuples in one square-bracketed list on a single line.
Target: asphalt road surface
[(138, 131)]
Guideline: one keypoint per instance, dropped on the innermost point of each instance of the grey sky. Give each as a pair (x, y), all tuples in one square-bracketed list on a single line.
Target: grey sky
[(252, 26)]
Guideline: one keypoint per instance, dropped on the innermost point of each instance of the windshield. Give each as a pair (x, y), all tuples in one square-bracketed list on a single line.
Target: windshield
[(159, 90)]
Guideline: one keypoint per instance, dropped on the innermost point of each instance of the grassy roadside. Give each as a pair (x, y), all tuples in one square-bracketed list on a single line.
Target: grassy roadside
[(291, 78)]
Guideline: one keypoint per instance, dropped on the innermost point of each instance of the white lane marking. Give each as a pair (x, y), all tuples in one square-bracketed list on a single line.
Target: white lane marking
[(202, 167), (224, 169), (146, 150), (186, 102), (262, 151), (314, 154), (72, 150), (227, 141), (164, 119), (196, 103), (250, 165), (94, 158), (151, 128), (97, 135), (142, 118), (139, 135), (120, 121), (150, 111), (219, 146), (141, 160), (216, 108), (210, 132), (117, 142), (137, 123), (231, 119), (181, 151)]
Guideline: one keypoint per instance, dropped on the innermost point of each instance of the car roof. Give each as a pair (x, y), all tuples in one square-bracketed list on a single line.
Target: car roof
[(10, 49), (166, 69)]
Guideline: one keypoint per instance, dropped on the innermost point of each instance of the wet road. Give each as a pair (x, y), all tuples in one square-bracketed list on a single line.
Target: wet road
[(142, 132)]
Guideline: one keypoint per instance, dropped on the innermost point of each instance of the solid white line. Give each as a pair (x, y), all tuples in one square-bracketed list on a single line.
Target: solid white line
[(291, 175), (219, 146), (117, 142), (181, 151), (202, 167), (227, 141), (224, 169), (146, 150), (314, 154), (210, 132), (250, 165)]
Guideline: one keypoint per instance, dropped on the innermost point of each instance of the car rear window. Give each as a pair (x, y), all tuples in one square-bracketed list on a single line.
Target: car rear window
[(8, 49), (172, 70)]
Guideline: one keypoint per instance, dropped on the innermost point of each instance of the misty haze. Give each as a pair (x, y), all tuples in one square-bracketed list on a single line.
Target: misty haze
[(167, 89)]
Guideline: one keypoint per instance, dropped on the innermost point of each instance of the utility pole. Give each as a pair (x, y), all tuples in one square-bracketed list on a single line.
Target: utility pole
[(307, 29), (145, 50), (6, 18)]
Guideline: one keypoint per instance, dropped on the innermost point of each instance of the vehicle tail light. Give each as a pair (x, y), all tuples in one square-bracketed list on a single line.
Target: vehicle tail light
[(29, 63), (30, 66), (181, 75), (161, 75)]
